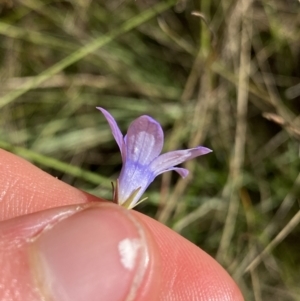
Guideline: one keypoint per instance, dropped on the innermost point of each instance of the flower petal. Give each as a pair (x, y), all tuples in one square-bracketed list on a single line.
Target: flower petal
[(183, 172), (168, 160), (144, 140), (115, 131), (133, 176)]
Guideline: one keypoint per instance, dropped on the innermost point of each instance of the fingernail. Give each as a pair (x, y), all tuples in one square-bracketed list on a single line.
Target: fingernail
[(97, 254)]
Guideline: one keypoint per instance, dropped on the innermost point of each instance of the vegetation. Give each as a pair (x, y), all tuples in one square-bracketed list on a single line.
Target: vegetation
[(223, 74)]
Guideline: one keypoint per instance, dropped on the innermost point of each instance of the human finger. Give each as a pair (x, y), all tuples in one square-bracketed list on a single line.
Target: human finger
[(186, 270), (97, 251), (24, 188)]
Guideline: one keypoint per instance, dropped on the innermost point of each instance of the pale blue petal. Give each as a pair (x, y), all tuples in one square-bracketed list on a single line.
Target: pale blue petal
[(168, 160), (183, 172), (133, 176), (115, 131), (144, 140)]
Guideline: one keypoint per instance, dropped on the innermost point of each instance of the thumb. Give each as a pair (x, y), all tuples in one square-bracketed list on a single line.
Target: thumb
[(84, 252)]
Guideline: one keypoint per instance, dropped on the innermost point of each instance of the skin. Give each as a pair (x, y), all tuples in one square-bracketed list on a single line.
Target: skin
[(32, 202)]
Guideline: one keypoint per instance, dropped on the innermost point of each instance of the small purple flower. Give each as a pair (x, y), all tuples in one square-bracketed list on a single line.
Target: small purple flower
[(142, 162)]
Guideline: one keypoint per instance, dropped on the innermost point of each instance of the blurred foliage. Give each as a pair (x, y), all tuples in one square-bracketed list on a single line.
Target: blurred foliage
[(224, 74)]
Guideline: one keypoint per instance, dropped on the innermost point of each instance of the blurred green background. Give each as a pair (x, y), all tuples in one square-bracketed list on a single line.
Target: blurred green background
[(223, 74)]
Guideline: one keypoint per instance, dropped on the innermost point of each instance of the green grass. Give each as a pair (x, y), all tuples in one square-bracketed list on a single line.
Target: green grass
[(227, 79)]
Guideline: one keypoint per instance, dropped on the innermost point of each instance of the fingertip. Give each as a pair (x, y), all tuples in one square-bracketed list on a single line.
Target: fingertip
[(85, 252)]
